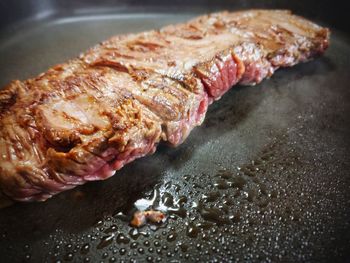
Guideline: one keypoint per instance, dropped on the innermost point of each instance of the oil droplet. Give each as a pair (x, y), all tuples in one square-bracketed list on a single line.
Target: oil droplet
[(213, 214), (263, 188), (224, 174), (224, 208), (122, 251), (134, 245), (239, 182), (222, 184), (182, 200), (205, 225), (263, 202), (274, 194), (156, 243), (192, 231), (68, 257), (179, 211), (167, 199), (122, 217), (171, 237), (186, 177), (211, 196), (105, 241), (248, 170), (99, 223), (228, 201), (251, 195), (111, 229), (134, 233), (85, 249), (122, 239), (236, 217)]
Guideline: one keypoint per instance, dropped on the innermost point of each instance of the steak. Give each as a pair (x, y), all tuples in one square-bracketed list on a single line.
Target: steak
[(84, 119)]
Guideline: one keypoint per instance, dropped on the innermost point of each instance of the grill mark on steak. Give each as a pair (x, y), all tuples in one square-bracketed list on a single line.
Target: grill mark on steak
[(84, 119)]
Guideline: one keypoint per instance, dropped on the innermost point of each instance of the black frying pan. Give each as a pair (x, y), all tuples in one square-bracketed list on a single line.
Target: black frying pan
[(265, 178)]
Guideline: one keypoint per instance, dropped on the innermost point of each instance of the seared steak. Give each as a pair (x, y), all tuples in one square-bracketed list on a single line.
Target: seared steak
[(84, 119)]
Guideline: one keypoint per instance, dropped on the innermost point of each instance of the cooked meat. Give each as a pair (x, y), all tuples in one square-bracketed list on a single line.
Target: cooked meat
[(140, 218), (84, 119)]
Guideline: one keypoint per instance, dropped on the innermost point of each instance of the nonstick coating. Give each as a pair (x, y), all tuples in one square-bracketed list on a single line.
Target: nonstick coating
[(265, 178)]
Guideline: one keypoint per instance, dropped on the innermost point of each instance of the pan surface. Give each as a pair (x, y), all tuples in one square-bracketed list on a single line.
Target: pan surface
[(265, 178)]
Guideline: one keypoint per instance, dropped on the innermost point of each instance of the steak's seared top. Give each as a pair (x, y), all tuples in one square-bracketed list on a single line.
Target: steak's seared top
[(86, 118)]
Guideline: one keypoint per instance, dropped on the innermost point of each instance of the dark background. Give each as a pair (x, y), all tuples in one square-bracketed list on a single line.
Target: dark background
[(331, 12)]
